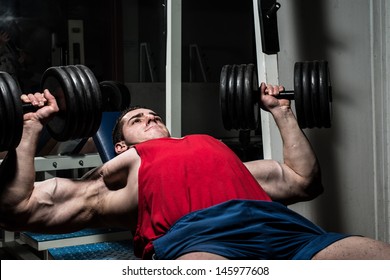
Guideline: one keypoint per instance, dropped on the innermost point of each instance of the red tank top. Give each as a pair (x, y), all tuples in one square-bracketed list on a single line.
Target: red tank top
[(178, 176)]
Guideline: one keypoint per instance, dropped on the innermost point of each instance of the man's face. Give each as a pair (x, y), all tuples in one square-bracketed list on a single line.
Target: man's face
[(141, 125)]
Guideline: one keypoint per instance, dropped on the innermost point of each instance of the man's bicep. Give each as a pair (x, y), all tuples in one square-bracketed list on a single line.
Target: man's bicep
[(281, 183), (265, 171)]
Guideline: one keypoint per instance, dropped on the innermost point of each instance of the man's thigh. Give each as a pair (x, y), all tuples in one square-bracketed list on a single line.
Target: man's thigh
[(200, 256), (355, 248)]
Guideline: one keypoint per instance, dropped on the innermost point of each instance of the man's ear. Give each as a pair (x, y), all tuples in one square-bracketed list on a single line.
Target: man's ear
[(121, 147)]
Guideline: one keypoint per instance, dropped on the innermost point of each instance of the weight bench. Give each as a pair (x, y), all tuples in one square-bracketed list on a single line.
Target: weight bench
[(119, 250), (48, 242), (91, 244), (103, 137)]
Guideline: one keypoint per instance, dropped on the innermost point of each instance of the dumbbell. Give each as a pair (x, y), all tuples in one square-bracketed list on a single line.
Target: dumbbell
[(240, 95), (80, 98)]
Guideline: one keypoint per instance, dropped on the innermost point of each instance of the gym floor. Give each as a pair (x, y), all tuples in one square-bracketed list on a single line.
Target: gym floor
[(4, 255), (19, 252)]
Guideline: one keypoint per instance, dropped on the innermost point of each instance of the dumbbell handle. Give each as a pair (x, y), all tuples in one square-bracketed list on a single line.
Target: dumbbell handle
[(28, 107), (286, 94)]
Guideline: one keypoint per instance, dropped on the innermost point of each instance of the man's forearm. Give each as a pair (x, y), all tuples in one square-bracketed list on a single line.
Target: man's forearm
[(17, 171), (297, 151)]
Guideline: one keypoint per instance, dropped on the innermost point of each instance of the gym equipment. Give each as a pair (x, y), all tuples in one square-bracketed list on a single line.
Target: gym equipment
[(79, 98), (267, 10), (240, 95), (103, 137)]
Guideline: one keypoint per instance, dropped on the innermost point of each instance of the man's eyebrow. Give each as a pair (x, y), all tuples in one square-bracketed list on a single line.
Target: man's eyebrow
[(154, 114), (141, 114), (136, 116)]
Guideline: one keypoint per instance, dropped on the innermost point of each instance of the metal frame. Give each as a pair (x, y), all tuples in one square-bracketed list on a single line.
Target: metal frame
[(58, 162), (62, 162), (173, 68), (267, 71)]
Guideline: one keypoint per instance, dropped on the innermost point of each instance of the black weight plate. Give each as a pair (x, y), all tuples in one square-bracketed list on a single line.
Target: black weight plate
[(330, 98), (251, 104), (93, 98), (116, 96), (223, 81), (325, 94), (15, 93), (126, 96), (97, 97), (88, 114), (243, 100), (307, 104), (255, 99), (3, 123), (12, 117), (6, 137), (299, 95), (315, 96), (76, 119), (112, 98), (83, 104), (92, 116), (240, 97), (58, 82), (7, 115), (79, 111), (232, 97)]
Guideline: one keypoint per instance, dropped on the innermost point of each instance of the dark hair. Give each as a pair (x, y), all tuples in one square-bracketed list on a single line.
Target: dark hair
[(117, 132)]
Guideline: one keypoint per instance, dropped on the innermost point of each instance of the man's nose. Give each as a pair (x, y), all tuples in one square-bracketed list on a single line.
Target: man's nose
[(150, 118)]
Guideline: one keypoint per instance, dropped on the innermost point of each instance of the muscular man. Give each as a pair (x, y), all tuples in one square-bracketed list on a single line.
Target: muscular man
[(184, 198)]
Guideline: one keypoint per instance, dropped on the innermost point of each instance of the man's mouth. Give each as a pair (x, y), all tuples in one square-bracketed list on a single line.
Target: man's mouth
[(151, 126)]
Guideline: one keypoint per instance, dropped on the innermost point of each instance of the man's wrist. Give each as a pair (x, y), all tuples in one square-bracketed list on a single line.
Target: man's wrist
[(282, 111)]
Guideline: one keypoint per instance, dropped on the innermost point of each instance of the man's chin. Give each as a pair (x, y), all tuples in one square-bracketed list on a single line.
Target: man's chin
[(157, 135)]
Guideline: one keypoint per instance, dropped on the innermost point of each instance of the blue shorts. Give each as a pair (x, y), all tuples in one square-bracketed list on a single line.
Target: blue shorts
[(245, 229)]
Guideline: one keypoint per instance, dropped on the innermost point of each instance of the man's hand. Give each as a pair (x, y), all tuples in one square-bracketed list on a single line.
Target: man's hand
[(44, 102), (268, 100)]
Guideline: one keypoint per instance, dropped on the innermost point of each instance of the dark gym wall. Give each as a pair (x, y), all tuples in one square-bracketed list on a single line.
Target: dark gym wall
[(222, 30), (32, 23)]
